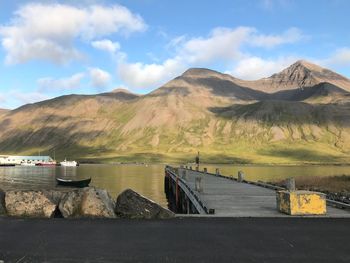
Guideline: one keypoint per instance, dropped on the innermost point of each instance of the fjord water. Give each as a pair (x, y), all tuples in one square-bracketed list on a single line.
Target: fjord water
[(147, 180)]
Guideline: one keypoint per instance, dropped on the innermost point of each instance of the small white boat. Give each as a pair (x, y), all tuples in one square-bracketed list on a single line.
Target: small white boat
[(27, 164), (69, 163)]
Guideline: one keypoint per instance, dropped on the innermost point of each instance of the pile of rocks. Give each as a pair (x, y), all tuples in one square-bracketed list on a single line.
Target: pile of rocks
[(79, 203)]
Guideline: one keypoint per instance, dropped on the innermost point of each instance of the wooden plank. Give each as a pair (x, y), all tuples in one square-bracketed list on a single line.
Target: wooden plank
[(239, 199)]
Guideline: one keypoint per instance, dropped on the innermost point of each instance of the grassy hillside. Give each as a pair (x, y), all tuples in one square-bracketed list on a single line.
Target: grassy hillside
[(201, 110)]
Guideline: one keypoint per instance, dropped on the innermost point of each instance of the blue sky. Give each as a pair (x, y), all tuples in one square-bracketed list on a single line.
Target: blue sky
[(51, 48)]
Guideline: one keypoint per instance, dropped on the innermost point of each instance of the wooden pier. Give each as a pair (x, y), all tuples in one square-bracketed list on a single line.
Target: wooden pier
[(207, 194)]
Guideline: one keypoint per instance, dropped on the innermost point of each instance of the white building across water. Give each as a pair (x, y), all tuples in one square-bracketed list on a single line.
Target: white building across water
[(17, 160)]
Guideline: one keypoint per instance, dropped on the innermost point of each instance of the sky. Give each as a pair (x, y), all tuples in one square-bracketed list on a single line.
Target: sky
[(53, 48)]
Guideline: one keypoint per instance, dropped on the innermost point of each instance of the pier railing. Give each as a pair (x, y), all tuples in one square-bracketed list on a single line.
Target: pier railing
[(187, 190), (180, 183)]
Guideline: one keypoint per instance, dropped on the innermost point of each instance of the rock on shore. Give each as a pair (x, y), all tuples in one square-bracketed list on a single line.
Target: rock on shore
[(132, 205), (29, 204), (87, 202), (77, 203)]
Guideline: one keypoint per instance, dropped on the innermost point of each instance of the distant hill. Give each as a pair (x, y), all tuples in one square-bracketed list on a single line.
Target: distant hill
[(300, 115)]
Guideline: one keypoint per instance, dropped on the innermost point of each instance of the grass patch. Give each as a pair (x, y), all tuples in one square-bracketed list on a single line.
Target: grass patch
[(330, 183)]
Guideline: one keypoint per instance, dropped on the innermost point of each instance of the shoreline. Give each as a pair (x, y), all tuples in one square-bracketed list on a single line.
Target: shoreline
[(233, 164)]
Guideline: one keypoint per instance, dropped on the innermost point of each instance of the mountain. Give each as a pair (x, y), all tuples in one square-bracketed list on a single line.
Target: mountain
[(299, 115), (300, 74)]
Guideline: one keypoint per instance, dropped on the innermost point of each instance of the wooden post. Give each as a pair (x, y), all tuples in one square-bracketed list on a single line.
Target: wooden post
[(184, 174), (177, 191), (198, 184), (240, 177), (290, 184), (188, 206), (205, 170), (217, 172)]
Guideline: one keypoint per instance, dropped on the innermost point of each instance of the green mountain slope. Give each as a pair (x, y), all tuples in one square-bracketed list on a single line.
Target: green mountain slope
[(201, 110)]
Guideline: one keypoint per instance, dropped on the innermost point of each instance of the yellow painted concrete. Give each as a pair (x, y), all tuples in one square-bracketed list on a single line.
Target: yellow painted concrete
[(301, 203)]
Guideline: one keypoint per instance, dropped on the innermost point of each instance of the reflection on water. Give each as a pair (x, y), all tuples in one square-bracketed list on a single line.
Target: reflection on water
[(147, 180)]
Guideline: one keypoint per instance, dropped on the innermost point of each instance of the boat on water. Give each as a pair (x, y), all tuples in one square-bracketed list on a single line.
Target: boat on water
[(27, 164), (7, 164), (69, 163), (73, 183), (50, 163)]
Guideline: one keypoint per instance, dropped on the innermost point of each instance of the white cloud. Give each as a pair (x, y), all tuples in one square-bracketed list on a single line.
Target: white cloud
[(48, 31), (291, 35), (140, 75), (106, 45), (27, 97), (51, 84), (99, 77), (340, 57), (222, 45), (14, 98), (252, 68)]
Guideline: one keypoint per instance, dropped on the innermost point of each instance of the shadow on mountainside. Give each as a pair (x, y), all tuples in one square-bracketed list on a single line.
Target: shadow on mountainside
[(300, 155), (225, 88), (51, 139), (151, 157), (287, 112)]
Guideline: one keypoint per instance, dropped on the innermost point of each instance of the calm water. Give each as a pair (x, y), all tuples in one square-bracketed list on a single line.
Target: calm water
[(147, 180)]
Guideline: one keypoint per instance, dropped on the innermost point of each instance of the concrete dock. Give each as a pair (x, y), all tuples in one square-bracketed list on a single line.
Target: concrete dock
[(224, 196)]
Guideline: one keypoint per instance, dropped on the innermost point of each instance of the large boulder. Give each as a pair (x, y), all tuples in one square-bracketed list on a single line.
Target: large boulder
[(29, 204), (69, 205), (2, 203), (132, 205), (87, 202), (97, 203)]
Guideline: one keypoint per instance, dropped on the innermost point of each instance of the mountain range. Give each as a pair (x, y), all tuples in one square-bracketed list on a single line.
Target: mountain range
[(300, 115)]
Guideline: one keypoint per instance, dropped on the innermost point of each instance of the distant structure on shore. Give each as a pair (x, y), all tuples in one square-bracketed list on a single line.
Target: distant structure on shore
[(18, 160)]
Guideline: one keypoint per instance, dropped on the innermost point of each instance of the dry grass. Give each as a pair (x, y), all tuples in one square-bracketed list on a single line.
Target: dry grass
[(333, 184)]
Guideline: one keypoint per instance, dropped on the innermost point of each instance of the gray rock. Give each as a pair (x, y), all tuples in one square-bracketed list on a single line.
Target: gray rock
[(132, 205), (29, 204), (55, 195), (97, 203), (2, 203), (70, 204), (87, 202)]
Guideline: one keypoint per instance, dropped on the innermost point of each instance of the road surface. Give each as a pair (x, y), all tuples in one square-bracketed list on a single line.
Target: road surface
[(175, 240)]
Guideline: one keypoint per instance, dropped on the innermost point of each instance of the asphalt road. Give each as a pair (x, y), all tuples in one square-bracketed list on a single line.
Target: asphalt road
[(176, 240)]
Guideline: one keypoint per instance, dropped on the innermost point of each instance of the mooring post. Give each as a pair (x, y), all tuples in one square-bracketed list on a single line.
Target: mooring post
[(240, 177), (217, 172), (184, 174), (290, 184), (205, 170), (198, 184)]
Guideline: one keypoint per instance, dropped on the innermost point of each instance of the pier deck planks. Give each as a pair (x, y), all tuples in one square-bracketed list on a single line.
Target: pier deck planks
[(230, 198)]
